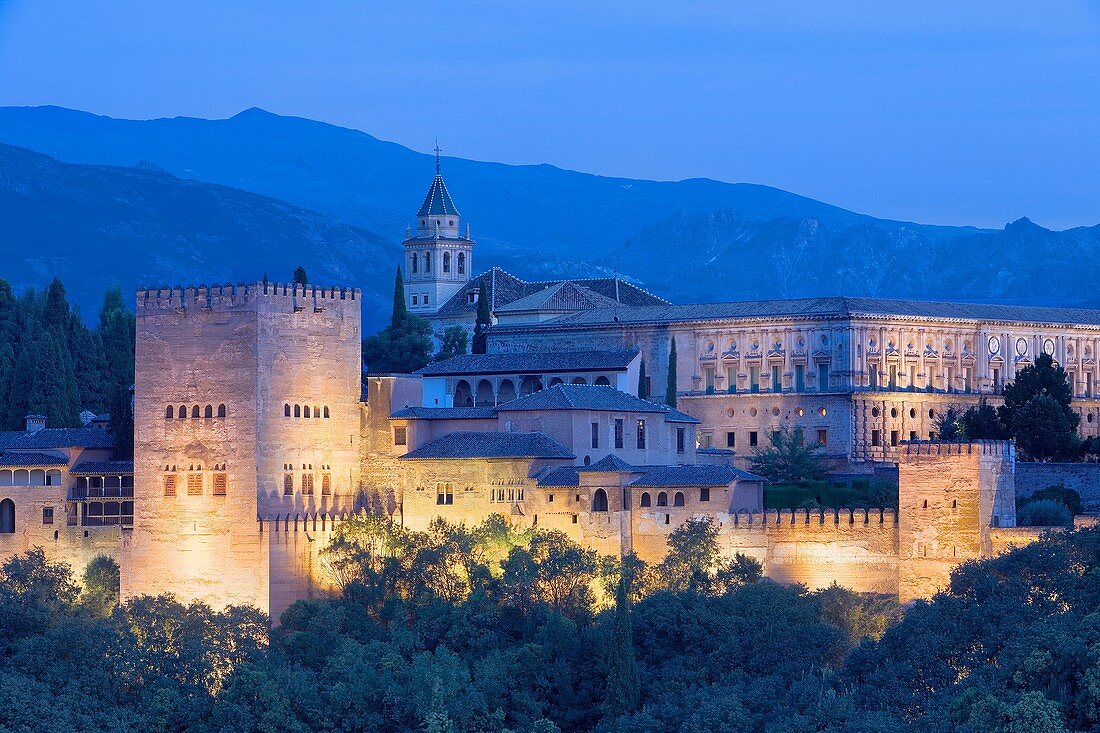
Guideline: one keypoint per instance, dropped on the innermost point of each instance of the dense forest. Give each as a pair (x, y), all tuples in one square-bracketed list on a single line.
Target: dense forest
[(457, 630), (52, 363)]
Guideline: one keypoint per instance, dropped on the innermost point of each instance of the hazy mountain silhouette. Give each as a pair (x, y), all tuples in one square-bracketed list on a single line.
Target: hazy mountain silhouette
[(688, 240)]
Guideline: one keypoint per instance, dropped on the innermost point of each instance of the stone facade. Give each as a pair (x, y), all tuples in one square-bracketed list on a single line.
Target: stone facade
[(1084, 478)]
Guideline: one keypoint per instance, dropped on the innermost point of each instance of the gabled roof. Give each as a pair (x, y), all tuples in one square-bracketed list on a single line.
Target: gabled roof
[(564, 296), (103, 468), (610, 463), (445, 413), (30, 458), (438, 201), (592, 397), (829, 307), (502, 288), (563, 476), (698, 474), (530, 363), (491, 445), (55, 438)]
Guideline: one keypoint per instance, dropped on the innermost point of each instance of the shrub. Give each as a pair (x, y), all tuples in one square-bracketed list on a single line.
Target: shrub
[(1044, 513)]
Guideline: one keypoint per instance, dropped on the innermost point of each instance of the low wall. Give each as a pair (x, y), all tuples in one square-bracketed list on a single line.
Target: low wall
[(1084, 478)]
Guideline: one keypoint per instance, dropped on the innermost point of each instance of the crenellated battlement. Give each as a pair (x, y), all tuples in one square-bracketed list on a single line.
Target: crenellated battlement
[(298, 522), (846, 516), (233, 296), (999, 448)]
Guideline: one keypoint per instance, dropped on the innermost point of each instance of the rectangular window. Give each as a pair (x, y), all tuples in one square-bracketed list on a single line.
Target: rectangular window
[(618, 432), (822, 377), (679, 440), (708, 380), (893, 376), (822, 437), (550, 498), (1088, 383), (893, 437), (950, 386), (416, 300), (872, 376), (997, 381), (754, 379), (424, 299), (170, 485), (220, 483), (704, 493), (731, 380), (913, 435), (444, 494), (595, 435), (288, 484), (912, 386), (799, 378), (777, 380), (1072, 378), (194, 484), (326, 484), (876, 437), (47, 515), (731, 439), (754, 439), (307, 484), (641, 434), (708, 440), (400, 436), (968, 378)]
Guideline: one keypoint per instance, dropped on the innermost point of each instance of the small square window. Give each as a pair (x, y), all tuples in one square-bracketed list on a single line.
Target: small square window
[(876, 438), (822, 437), (893, 437), (550, 498), (704, 494), (731, 439), (416, 300), (400, 436), (47, 515), (754, 439)]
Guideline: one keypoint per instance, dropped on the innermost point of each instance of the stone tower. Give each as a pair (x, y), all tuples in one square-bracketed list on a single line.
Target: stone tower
[(952, 498), (246, 411), (438, 257)]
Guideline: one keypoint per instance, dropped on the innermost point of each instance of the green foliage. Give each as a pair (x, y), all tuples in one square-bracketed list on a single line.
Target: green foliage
[(670, 386), (623, 686), (949, 424), (788, 459), (1068, 498), (643, 382), (694, 563), (1043, 432), (482, 322), (402, 347), (452, 342), (300, 276), (1042, 378), (984, 423), (100, 591), (1044, 513)]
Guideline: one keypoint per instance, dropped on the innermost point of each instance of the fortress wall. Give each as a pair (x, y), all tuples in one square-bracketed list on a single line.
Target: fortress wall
[(1084, 478), (293, 546), (75, 546)]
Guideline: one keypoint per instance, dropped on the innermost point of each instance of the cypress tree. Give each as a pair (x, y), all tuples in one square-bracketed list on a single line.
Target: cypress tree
[(22, 382), (481, 325), (56, 314), (53, 391), (643, 393), (122, 423), (400, 310), (623, 686), (300, 276), (670, 387)]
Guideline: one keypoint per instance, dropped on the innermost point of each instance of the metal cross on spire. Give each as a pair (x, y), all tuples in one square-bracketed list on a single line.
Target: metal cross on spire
[(437, 152)]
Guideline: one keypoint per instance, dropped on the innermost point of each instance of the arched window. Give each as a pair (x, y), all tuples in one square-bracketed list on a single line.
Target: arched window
[(415, 261), (7, 516), (603, 381), (183, 412), (555, 381), (221, 410), (646, 501), (461, 263), (195, 412), (316, 411), (463, 394), (579, 380), (297, 411), (427, 262), (326, 412), (169, 413), (208, 412), (678, 499), (53, 477), (662, 499), (446, 262), (485, 397), (506, 392), (305, 412), (286, 410), (599, 501), (529, 385)]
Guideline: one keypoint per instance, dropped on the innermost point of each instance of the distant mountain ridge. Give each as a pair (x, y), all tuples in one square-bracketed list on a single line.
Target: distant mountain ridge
[(692, 240)]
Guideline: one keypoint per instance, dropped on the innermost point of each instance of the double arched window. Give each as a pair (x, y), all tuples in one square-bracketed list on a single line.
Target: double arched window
[(446, 262), (427, 262), (415, 261), (461, 263)]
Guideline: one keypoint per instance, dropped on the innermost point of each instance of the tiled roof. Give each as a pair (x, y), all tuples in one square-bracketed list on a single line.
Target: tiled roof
[(31, 459), (565, 296), (674, 415), (106, 468), (492, 445), (438, 201), (530, 363), (563, 476), (610, 463), (832, 307), (699, 474), (54, 438), (503, 288), (445, 413), (587, 397)]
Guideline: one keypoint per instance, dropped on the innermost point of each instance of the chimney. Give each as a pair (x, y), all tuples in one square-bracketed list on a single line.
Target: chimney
[(35, 423)]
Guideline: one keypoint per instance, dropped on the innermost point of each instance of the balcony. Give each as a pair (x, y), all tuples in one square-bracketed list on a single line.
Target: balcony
[(84, 493)]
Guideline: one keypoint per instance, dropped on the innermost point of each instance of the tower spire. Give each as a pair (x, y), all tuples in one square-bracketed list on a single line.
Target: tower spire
[(437, 152)]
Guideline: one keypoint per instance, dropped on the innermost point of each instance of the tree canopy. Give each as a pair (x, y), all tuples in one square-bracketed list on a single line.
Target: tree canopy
[(403, 346)]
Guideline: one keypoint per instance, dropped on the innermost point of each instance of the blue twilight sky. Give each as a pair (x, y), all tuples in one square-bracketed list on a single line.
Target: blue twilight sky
[(940, 112)]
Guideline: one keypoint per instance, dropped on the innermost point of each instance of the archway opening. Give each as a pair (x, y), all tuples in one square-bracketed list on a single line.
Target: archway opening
[(599, 501)]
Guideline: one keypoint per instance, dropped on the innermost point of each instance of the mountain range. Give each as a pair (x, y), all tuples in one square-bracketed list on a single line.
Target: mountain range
[(195, 200)]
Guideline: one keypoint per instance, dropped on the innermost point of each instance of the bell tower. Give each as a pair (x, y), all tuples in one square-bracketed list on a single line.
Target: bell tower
[(438, 257)]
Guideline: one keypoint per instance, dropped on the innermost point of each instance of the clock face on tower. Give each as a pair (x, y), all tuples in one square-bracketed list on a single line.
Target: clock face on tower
[(994, 344)]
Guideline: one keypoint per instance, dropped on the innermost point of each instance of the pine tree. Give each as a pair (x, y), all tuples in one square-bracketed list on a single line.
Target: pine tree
[(623, 685), (643, 393), (670, 387), (481, 325)]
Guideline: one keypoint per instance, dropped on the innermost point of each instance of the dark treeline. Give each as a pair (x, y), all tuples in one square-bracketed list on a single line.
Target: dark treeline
[(465, 630), (52, 363)]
